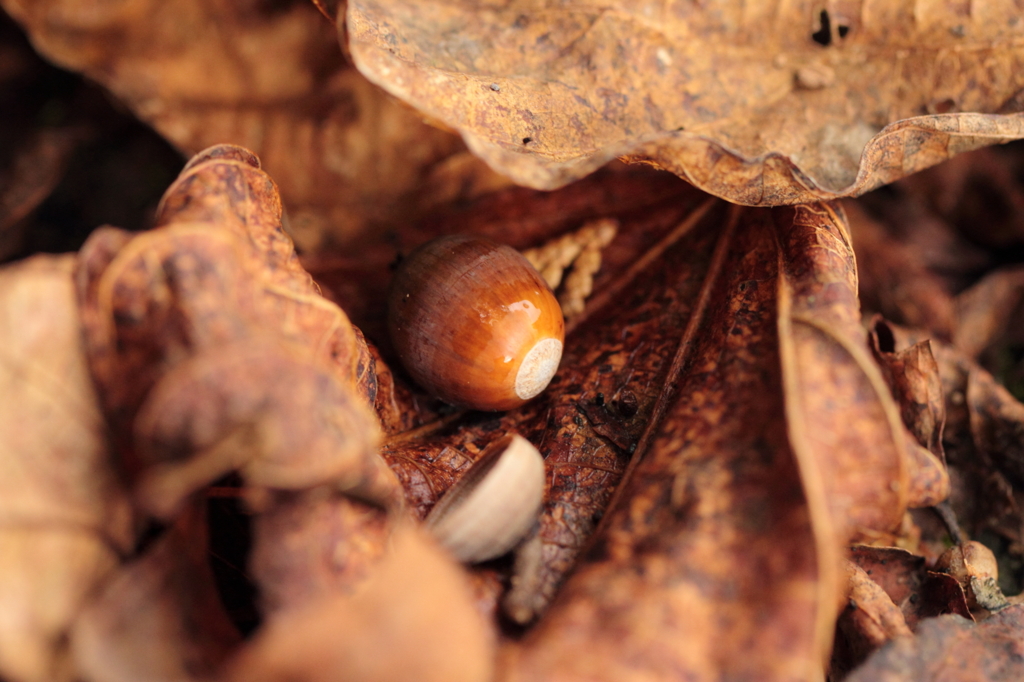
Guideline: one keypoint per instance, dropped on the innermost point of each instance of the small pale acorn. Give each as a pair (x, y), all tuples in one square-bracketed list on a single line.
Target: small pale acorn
[(474, 323)]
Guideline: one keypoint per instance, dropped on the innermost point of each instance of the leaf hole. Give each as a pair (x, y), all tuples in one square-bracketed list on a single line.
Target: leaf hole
[(843, 30), (942, 107), (527, 140), (886, 339), (823, 36)]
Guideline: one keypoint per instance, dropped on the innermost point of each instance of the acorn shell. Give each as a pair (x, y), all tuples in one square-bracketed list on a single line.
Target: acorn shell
[(494, 505), (474, 323)]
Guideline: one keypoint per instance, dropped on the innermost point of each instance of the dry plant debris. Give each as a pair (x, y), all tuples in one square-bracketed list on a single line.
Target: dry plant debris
[(761, 103), (778, 446)]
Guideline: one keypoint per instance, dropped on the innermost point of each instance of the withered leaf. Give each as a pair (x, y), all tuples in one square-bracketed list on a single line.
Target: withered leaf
[(270, 77), (64, 517), (913, 377), (918, 592), (869, 620), (895, 570), (981, 420), (592, 416), (893, 278), (726, 536), (954, 649), (157, 617), (313, 545), (431, 632), (760, 103), (190, 329), (987, 312)]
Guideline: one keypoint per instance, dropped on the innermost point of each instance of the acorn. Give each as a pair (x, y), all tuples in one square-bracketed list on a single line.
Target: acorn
[(495, 503), (474, 323)]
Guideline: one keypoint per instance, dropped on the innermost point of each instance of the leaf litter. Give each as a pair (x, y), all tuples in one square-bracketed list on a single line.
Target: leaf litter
[(720, 432)]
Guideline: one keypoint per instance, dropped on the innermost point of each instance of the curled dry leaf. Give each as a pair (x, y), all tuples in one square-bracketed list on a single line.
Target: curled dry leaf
[(763, 104), (64, 517), (348, 156), (954, 649), (189, 329), (719, 497), (981, 438), (913, 377), (918, 592), (895, 570), (869, 619), (313, 545), (432, 633), (696, 297), (157, 617)]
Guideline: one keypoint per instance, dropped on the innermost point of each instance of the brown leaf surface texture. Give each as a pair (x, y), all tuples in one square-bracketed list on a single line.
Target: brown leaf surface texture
[(269, 77), (595, 411), (159, 617), (715, 521), (918, 592), (314, 544), (870, 618), (953, 648), (981, 438), (64, 516), (432, 633), (913, 376), (761, 103), (190, 328)]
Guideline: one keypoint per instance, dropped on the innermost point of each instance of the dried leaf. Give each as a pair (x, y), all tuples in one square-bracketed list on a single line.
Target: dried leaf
[(739, 506), (269, 77), (981, 420), (159, 616), (594, 413), (64, 516), (913, 376), (894, 280), (314, 545), (953, 649), (431, 632), (986, 312), (190, 328), (895, 570), (762, 104), (918, 592), (869, 620)]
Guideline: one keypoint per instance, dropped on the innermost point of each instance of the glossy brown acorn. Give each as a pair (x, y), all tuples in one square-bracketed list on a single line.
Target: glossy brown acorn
[(474, 323)]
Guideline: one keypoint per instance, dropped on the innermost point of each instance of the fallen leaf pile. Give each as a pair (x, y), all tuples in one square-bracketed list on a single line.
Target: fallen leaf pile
[(785, 441)]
